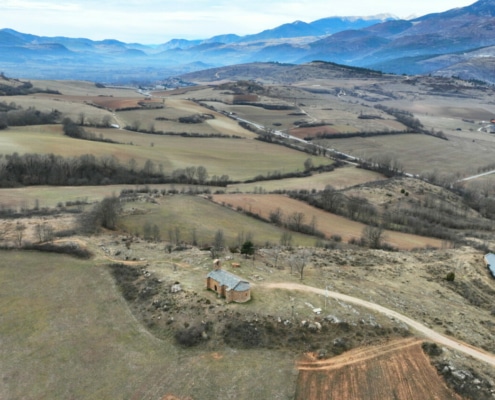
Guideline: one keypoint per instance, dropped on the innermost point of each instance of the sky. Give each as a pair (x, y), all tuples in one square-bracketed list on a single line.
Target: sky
[(158, 21)]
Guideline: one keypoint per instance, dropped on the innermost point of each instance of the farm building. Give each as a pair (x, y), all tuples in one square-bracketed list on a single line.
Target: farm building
[(490, 263), (228, 285)]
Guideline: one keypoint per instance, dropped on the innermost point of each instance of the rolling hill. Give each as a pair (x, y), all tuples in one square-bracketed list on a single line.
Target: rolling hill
[(431, 44)]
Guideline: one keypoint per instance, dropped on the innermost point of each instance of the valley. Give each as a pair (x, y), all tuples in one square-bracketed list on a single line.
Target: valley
[(343, 183)]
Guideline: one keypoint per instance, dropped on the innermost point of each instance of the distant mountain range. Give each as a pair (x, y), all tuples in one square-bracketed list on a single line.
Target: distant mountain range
[(458, 42)]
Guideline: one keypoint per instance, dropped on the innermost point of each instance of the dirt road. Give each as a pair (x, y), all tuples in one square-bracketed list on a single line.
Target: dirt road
[(418, 327)]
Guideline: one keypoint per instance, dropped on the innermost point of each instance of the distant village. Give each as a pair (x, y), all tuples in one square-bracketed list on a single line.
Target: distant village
[(488, 126)]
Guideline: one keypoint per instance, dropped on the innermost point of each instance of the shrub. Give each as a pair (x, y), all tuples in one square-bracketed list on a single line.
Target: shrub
[(189, 336), (432, 349), (64, 248)]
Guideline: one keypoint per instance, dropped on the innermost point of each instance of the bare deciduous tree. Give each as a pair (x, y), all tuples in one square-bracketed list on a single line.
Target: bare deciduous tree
[(19, 233), (218, 243), (105, 214), (82, 118), (190, 174), (202, 174), (295, 220), (147, 230), (149, 167), (286, 239), (308, 164), (44, 232), (372, 236), (276, 216), (105, 121), (331, 199), (109, 209), (194, 238), (177, 235), (156, 233), (298, 262)]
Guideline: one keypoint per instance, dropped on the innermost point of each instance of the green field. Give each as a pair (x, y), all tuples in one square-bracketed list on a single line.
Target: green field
[(85, 88), (70, 107), (191, 214), (51, 196), (421, 154), (240, 159), (66, 332), (340, 178)]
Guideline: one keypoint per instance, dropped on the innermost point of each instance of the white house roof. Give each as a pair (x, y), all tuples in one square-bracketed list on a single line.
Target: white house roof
[(490, 262)]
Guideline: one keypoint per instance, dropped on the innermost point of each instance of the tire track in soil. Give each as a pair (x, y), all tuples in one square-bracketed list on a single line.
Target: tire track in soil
[(356, 355), (398, 370)]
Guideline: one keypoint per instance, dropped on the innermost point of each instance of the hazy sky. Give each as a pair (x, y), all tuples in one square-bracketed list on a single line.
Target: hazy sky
[(157, 21)]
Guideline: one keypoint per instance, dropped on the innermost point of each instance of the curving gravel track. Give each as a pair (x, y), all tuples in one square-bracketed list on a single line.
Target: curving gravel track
[(418, 327)]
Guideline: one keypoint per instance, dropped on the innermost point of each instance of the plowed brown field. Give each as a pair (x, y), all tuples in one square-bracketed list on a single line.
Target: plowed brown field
[(116, 103), (329, 224), (397, 370)]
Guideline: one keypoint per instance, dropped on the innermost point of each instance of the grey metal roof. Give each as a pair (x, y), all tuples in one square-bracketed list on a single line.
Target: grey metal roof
[(490, 260), (233, 282)]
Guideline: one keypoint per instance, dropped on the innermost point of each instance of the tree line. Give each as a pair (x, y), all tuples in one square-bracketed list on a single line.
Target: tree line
[(413, 124), (50, 169), (429, 217), (76, 131), (23, 88), (11, 115)]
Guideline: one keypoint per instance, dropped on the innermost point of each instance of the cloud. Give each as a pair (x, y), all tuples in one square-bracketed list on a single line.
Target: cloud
[(156, 21), (27, 5)]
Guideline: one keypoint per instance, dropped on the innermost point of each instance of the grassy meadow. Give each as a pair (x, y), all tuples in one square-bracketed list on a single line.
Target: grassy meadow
[(460, 155), (199, 217), (167, 119), (240, 159), (66, 332), (339, 179)]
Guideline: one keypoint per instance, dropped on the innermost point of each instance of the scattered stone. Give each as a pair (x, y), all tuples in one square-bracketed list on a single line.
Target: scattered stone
[(333, 319), (312, 327), (176, 288)]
